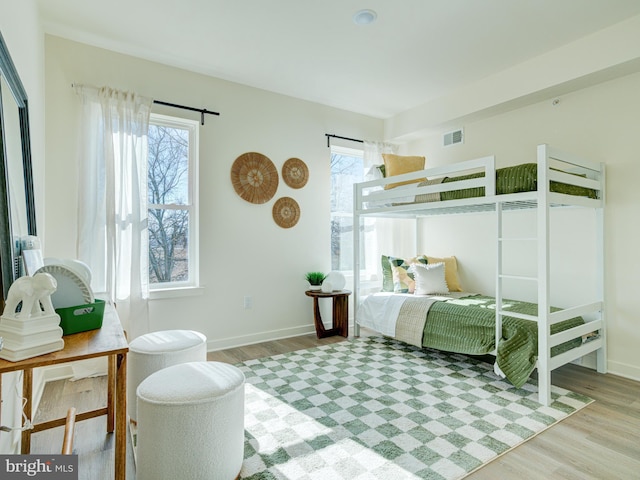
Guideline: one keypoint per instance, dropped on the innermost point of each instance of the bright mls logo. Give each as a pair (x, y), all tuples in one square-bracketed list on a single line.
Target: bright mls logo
[(51, 467)]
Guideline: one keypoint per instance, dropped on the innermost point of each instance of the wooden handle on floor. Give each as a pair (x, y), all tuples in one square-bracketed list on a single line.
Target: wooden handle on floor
[(69, 432)]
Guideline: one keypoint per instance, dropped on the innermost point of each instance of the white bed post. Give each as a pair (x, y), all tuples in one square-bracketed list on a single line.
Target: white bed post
[(544, 353), (601, 353), (356, 258), (499, 267)]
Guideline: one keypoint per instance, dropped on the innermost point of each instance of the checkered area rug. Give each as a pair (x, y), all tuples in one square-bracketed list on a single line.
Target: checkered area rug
[(374, 408)]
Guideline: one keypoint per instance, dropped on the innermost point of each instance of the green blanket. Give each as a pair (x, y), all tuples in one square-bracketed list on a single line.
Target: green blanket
[(519, 178), (467, 325)]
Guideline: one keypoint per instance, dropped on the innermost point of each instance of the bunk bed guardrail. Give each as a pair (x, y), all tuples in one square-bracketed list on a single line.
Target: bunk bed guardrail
[(371, 197)]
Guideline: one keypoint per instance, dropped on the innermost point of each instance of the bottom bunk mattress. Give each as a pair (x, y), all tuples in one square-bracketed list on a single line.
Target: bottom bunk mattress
[(464, 323)]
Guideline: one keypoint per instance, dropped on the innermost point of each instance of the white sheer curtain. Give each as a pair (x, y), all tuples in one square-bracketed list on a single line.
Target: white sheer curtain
[(395, 237), (376, 229), (372, 157), (112, 213)]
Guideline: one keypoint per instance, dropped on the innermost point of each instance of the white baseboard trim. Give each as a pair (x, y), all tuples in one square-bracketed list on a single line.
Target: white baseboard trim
[(618, 369), (49, 374), (624, 370), (270, 335)]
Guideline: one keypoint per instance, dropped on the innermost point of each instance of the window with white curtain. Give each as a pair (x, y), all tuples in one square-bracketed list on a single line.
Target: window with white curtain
[(347, 168), (172, 180)]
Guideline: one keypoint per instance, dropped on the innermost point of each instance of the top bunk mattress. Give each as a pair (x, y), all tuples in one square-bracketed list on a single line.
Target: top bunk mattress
[(514, 179)]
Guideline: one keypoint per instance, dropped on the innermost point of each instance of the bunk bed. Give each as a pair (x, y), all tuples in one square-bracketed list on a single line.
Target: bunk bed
[(557, 179)]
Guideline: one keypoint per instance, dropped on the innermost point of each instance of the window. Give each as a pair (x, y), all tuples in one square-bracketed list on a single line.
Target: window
[(347, 168), (172, 209)]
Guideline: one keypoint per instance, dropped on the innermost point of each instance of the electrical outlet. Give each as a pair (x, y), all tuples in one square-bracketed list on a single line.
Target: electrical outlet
[(247, 302)]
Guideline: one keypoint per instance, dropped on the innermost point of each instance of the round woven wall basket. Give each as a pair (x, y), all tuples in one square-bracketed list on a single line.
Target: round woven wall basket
[(286, 212), (254, 177), (295, 173)]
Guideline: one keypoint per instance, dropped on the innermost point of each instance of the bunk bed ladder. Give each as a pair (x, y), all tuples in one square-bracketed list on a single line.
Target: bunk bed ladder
[(542, 278)]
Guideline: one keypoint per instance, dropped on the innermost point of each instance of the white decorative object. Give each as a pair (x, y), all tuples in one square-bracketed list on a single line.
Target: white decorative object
[(191, 422), (326, 287), (72, 289), (35, 329), (337, 280), (32, 292), (79, 267)]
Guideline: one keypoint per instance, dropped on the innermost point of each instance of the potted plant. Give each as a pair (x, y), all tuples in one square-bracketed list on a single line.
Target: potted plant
[(315, 280)]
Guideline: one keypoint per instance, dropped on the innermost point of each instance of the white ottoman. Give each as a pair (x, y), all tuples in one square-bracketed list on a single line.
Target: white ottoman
[(157, 350), (191, 423)]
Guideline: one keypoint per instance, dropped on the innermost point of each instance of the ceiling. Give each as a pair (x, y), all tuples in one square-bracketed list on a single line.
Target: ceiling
[(416, 51)]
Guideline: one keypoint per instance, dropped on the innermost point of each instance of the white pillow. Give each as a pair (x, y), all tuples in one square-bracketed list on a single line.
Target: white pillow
[(429, 278)]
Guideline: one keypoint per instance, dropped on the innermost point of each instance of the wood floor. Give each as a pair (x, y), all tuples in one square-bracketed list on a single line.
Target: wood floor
[(601, 442)]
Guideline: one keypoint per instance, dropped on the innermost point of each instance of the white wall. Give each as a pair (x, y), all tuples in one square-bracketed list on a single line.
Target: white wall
[(21, 31), (600, 56), (243, 251), (600, 123)]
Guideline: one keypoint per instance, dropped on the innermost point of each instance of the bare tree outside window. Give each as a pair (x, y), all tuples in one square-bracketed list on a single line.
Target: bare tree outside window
[(168, 198), (346, 169)]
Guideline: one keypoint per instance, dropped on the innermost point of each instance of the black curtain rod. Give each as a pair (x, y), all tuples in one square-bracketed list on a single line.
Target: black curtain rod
[(184, 107), (330, 136)]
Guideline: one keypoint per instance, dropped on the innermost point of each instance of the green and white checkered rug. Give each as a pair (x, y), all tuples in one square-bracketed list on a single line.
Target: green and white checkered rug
[(374, 408)]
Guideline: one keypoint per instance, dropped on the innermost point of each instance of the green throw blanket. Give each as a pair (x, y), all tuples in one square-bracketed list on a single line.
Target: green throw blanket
[(518, 178), (467, 325)]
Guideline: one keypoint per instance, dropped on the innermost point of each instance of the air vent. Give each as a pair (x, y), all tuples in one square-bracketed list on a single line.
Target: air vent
[(452, 138)]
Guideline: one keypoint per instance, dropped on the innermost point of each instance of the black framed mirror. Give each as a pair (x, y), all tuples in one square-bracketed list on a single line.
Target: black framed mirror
[(17, 206)]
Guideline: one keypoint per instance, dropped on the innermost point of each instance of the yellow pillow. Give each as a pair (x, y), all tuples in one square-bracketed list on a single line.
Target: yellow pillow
[(450, 271), (399, 164)]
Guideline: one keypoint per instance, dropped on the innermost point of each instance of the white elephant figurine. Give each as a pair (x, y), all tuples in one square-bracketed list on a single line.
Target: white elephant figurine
[(35, 295)]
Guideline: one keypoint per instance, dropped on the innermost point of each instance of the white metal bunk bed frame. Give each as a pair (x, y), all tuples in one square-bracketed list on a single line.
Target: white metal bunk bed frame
[(371, 201)]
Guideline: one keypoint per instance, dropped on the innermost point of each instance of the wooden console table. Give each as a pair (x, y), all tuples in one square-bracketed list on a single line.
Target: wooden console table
[(340, 312), (108, 341)]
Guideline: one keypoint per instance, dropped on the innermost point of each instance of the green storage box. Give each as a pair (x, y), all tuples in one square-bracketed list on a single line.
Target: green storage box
[(81, 318)]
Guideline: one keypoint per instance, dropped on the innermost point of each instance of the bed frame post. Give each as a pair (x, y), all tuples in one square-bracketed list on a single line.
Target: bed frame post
[(544, 353), (499, 266), (356, 258), (601, 353)]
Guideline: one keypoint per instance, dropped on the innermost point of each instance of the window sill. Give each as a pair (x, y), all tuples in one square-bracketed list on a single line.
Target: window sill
[(176, 292)]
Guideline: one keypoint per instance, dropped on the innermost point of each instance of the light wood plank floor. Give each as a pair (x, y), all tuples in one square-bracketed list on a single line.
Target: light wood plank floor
[(600, 442)]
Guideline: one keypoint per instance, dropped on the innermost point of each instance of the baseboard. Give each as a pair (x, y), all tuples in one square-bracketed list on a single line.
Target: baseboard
[(49, 374), (270, 335), (618, 369), (588, 361), (624, 370)]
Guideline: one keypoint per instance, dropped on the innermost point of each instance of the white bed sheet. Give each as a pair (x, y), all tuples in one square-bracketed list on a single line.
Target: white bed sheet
[(379, 311)]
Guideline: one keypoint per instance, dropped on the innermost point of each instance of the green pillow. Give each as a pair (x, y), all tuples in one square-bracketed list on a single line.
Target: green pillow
[(387, 277), (400, 265)]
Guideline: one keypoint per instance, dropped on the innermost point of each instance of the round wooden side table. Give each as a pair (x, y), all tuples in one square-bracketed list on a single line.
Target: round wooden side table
[(340, 312)]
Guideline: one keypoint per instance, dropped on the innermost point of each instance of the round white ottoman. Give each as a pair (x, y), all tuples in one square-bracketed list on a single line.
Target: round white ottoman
[(191, 423), (157, 350)]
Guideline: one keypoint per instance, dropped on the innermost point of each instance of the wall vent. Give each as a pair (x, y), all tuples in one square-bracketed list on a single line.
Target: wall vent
[(452, 138)]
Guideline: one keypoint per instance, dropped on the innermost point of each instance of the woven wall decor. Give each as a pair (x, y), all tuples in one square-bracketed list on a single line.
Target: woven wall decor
[(286, 212), (295, 173), (254, 177)]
